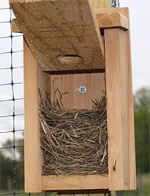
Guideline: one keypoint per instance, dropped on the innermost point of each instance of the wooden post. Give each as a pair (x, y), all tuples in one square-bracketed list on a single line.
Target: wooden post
[(32, 165), (34, 80), (117, 113), (131, 132), (129, 173)]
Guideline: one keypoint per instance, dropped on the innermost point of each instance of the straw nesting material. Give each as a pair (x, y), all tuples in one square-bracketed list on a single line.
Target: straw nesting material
[(74, 141)]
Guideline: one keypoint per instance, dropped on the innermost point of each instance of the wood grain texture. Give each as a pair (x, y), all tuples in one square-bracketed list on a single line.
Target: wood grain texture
[(69, 85), (34, 80), (54, 28), (105, 21), (117, 113), (74, 182), (131, 132), (16, 27), (131, 135), (112, 20), (32, 138)]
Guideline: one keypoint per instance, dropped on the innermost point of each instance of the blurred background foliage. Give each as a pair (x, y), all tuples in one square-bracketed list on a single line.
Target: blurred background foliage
[(142, 132), (142, 127)]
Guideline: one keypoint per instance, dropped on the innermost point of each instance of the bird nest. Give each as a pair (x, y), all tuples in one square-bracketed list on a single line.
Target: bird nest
[(74, 141)]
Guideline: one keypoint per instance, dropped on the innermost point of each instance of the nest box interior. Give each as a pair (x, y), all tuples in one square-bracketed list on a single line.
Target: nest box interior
[(74, 56)]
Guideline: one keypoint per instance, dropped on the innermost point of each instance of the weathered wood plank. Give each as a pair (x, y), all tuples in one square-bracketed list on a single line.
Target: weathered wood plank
[(32, 138), (55, 28), (16, 27), (130, 110), (117, 112), (105, 21), (112, 20), (131, 133), (86, 182), (34, 80), (70, 84)]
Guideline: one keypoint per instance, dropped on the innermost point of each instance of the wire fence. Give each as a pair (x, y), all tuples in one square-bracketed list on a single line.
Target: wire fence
[(11, 107)]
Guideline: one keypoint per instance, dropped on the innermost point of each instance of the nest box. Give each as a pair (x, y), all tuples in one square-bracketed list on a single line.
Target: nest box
[(84, 50)]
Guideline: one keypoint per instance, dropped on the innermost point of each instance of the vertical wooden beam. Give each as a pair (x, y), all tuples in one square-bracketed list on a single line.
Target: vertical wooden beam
[(34, 81), (131, 135), (117, 104), (130, 106), (32, 141)]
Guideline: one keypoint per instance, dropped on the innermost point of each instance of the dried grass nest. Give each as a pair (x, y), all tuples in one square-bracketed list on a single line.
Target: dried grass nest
[(73, 142)]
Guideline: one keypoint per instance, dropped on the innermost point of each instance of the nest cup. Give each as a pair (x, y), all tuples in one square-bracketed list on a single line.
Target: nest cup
[(73, 142)]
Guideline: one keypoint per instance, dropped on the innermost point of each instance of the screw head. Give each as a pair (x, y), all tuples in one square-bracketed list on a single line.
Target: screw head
[(82, 89)]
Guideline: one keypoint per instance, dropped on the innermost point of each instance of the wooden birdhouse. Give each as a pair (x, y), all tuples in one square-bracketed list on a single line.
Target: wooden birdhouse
[(79, 124)]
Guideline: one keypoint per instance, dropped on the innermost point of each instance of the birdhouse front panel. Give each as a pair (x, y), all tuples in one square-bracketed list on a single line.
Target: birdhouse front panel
[(79, 126)]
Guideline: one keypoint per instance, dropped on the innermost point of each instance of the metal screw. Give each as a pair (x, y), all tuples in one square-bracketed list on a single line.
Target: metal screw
[(115, 3), (82, 89)]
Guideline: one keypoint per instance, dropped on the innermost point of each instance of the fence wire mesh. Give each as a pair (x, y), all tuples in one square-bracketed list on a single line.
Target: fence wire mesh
[(11, 107)]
